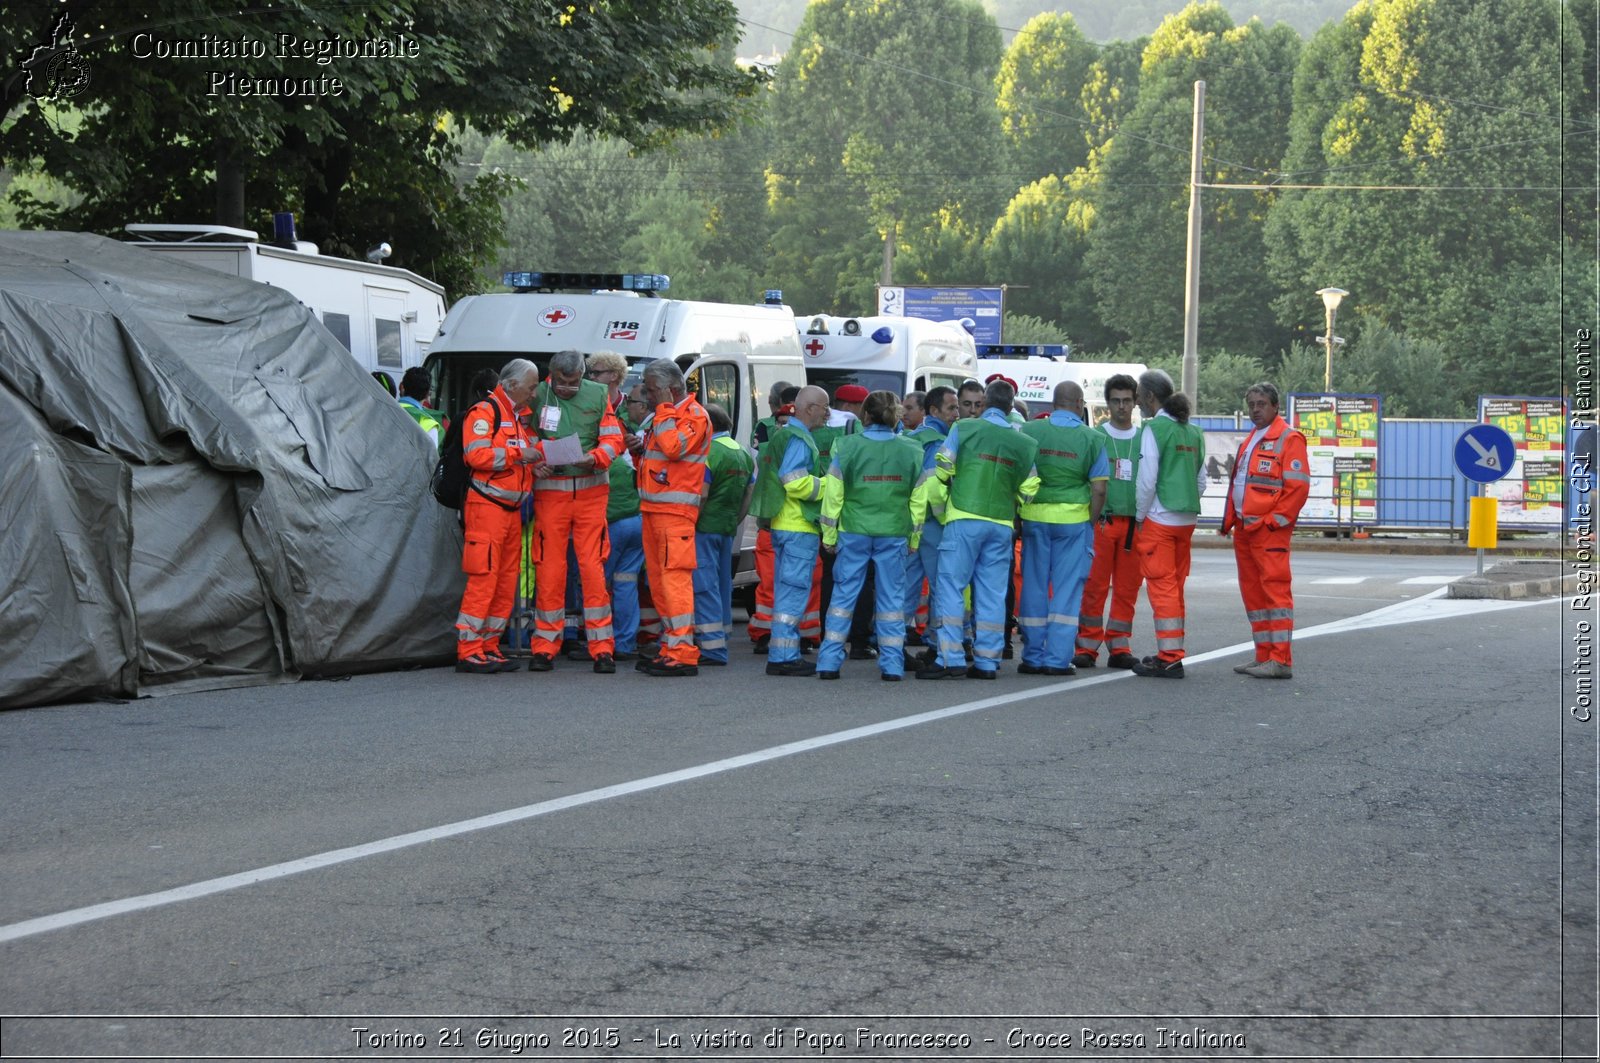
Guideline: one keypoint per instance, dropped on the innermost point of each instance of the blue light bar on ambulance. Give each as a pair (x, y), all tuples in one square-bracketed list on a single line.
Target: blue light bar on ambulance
[(1025, 350), (527, 281)]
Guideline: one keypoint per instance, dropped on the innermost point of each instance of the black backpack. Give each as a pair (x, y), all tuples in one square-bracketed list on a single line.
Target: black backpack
[(450, 476)]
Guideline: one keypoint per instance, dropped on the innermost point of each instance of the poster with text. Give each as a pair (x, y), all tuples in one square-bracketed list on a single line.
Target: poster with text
[(1342, 442), (1530, 494)]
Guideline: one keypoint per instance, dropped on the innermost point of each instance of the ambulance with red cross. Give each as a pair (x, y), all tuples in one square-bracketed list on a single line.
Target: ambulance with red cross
[(897, 354)]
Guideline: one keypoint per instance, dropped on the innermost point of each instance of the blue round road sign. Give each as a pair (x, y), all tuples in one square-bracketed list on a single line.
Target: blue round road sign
[(1484, 453)]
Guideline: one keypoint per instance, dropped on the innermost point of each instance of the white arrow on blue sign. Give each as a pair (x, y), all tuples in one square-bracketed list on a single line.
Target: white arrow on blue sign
[(1484, 453)]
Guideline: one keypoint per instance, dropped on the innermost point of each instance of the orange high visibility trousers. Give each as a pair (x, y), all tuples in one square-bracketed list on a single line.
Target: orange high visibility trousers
[(578, 517), (1262, 554), (491, 559), (1115, 570), (1163, 551), (669, 559)]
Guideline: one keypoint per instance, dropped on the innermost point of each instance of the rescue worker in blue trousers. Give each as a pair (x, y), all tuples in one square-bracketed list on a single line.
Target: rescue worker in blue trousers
[(1058, 532), (788, 494), (988, 466), (872, 508), (729, 483), (939, 406)]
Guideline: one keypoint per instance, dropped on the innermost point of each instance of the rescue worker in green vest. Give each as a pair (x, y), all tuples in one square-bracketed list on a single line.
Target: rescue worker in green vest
[(788, 494), (1114, 572), (625, 526), (415, 387), (570, 504), (989, 467), (844, 420), (729, 483), (1058, 532), (765, 427), (1172, 477), (872, 510), (939, 413)]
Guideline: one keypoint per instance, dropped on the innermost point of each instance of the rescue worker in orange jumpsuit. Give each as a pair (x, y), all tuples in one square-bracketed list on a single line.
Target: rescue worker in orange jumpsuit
[(1172, 477), (1116, 566), (1271, 479), (570, 507), (672, 481), (498, 454)]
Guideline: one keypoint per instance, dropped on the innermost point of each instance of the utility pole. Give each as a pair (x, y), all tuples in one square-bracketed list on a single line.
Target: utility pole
[(1191, 269)]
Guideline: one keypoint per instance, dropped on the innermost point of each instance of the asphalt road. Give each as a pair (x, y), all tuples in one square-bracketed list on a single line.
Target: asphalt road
[(1364, 861)]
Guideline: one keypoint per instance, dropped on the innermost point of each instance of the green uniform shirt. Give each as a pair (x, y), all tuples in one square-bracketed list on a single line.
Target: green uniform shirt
[(872, 488), (580, 414), (989, 467), (728, 469), (1068, 456), (791, 502), (1122, 496), (1182, 448)]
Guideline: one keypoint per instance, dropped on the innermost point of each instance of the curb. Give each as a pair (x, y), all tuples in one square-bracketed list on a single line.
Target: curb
[(1516, 579)]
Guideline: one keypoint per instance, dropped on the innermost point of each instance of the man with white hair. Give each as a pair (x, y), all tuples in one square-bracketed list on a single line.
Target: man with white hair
[(497, 452)]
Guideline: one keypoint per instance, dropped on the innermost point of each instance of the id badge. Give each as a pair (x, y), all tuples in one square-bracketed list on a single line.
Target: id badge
[(549, 418), (1124, 468)]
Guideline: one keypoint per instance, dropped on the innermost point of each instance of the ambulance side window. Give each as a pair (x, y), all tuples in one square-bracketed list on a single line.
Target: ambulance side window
[(719, 383)]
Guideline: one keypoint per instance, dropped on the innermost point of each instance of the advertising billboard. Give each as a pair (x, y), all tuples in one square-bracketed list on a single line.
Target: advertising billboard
[(983, 305)]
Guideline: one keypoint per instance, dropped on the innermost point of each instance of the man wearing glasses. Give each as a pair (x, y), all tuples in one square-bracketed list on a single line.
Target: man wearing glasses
[(1116, 565)]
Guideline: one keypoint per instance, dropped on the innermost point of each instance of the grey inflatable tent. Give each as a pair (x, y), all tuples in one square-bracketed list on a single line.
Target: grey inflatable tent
[(201, 488)]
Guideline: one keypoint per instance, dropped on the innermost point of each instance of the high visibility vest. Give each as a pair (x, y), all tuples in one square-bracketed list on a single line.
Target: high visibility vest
[(1276, 482), (1065, 457), (1122, 496), (878, 476), (672, 473), (1182, 448), (787, 510), (991, 462), (728, 469), (492, 442), (587, 415), (425, 418)]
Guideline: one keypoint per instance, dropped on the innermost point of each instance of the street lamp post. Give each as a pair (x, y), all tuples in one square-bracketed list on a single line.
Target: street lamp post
[(1330, 302)]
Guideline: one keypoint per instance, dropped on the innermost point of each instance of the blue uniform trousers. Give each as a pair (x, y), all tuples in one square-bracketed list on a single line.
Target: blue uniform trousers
[(1055, 563), (624, 570), (976, 552), (887, 555), (713, 594), (794, 562)]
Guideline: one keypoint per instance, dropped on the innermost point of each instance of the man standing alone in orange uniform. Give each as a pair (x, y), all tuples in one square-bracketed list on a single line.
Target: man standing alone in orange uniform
[(497, 452), (672, 478), (1271, 479)]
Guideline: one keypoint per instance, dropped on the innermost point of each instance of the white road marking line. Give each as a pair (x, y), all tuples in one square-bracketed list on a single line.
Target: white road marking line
[(1341, 579), (1432, 606), (1428, 581)]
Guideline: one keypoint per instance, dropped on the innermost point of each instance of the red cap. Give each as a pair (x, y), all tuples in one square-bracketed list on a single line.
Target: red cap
[(786, 410), (851, 393)]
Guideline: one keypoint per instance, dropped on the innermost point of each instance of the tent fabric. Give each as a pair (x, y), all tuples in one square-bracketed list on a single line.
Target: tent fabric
[(201, 487)]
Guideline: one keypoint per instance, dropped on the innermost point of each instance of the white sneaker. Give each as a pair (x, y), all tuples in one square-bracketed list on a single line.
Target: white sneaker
[(1270, 670)]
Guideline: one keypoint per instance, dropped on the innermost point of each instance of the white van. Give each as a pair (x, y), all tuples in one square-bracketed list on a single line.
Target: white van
[(386, 317), (897, 354), (731, 354), (1037, 372)]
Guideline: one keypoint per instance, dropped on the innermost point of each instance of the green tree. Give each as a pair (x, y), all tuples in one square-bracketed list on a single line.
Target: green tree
[(373, 157), (1137, 243), (1040, 96), (1462, 260), (882, 113), (1110, 90)]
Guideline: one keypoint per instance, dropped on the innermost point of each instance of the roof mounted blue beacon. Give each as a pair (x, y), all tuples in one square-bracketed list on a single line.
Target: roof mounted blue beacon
[(532, 280)]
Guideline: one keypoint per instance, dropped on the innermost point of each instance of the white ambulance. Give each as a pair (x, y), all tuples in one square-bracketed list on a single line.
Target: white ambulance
[(384, 316), (1036, 369), (897, 354)]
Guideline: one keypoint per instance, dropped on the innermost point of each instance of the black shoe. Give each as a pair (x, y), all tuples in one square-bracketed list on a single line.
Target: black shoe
[(827, 675), (1122, 660), (1159, 669), (863, 653), (1084, 660), (625, 655), (939, 671), (761, 644), (715, 664), (477, 664), (502, 663), (888, 677), (605, 664), (643, 663), (667, 670), (974, 672), (1068, 670), (1032, 669), (914, 638), (1008, 653), (794, 668), (541, 662)]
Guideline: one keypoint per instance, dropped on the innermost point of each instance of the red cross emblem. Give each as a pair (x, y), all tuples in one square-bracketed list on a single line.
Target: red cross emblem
[(813, 347), (555, 316)]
